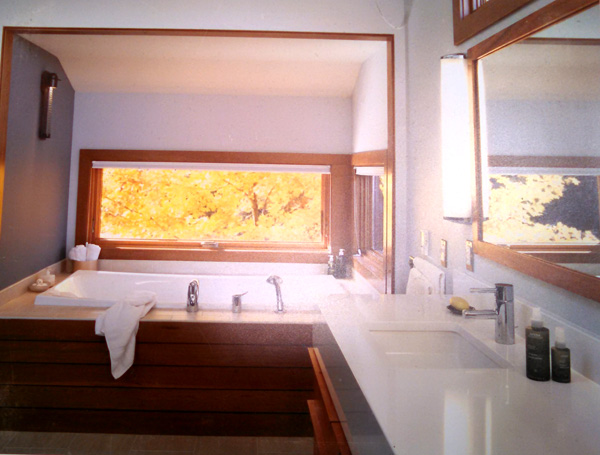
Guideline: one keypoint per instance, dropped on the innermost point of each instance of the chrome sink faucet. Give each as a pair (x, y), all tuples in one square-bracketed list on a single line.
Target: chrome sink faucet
[(276, 281), (192, 296), (504, 312)]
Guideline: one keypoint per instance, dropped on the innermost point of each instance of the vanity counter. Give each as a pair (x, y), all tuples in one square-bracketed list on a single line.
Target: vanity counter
[(459, 410)]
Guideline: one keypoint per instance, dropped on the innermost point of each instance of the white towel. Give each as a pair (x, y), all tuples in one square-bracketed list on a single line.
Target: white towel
[(119, 324), (433, 274), (418, 284), (92, 252), (78, 253)]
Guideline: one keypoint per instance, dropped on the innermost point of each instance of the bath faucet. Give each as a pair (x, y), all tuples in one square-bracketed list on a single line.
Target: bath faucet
[(192, 296), (276, 281), (504, 312)]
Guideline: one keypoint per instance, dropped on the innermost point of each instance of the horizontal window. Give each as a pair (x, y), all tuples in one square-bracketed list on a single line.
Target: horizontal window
[(214, 206), (211, 205)]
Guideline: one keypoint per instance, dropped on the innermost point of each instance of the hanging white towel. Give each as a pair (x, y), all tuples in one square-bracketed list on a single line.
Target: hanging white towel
[(418, 284), (119, 325), (433, 274)]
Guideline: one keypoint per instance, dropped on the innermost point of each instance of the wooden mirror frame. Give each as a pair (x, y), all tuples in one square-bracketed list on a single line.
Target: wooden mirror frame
[(573, 281), (469, 23)]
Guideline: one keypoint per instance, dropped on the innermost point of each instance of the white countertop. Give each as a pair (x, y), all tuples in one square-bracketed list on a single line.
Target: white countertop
[(460, 411)]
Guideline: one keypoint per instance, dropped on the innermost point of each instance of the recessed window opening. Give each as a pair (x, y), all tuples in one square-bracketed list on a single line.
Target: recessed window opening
[(369, 208), (217, 202)]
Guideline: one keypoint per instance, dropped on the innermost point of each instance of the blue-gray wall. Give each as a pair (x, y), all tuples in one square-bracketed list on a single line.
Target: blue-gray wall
[(34, 218)]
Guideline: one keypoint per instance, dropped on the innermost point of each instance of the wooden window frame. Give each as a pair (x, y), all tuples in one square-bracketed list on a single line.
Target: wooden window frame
[(371, 264), (336, 206), (476, 19)]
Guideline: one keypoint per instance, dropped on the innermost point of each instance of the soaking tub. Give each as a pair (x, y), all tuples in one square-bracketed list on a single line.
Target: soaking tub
[(86, 288)]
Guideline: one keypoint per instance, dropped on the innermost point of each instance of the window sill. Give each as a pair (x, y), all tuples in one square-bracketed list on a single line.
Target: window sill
[(371, 267), (215, 255)]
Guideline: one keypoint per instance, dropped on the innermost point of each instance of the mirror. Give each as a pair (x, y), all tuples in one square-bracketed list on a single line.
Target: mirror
[(538, 147)]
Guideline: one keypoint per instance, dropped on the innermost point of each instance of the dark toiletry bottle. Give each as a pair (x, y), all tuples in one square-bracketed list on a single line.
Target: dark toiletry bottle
[(341, 266), (561, 358), (537, 345)]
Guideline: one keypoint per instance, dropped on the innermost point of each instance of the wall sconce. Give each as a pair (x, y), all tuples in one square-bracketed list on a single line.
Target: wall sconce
[(483, 141), (456, 139), (49, 83)]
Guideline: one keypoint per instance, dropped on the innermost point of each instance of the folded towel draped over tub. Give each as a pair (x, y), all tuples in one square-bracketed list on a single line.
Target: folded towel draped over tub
[(119, 325)]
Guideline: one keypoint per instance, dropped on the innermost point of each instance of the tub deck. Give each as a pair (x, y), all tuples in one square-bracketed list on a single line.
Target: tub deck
[(23, 307), (87, 288)]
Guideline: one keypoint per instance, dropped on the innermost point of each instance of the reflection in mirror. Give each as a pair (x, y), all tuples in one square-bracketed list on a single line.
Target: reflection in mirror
[(540, 144)]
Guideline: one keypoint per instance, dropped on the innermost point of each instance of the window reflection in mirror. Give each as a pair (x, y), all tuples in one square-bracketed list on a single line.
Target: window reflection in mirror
[(542, 209)]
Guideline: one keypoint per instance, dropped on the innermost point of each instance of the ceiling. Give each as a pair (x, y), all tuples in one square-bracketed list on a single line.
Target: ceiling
[(209, 64)]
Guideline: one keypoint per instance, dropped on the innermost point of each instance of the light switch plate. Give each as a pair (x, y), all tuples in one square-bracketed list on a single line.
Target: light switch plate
[(424, 242), (444, 253), (469, 256)]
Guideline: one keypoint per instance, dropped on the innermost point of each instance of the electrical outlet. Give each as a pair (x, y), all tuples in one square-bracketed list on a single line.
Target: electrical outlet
[(424, 242), (444, 253), (470, 258)]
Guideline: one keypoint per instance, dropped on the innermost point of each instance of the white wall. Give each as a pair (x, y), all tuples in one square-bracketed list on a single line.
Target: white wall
[(543, 127), (206, 122), (369, 103), (212, 122)]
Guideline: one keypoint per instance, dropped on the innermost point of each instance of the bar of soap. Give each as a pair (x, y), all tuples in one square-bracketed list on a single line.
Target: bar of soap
[(459, 303)]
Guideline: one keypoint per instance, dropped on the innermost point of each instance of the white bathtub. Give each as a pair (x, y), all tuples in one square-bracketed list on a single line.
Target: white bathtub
[(102, 289)]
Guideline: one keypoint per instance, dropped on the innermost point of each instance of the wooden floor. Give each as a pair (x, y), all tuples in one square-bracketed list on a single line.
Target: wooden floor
[(13, 442)]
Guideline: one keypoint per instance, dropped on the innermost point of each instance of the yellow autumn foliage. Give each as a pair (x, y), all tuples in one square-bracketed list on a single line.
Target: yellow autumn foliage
[(160, 204), (515, 202)]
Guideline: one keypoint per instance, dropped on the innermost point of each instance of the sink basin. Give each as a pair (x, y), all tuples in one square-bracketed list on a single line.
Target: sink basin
[(431, 349)]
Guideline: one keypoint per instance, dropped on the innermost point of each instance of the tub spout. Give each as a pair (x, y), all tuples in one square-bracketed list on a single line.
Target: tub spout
[(192, 296), (276, 281)]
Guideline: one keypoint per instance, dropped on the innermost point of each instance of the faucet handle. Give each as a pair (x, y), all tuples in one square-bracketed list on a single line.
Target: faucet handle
[(504, 292), (482, 290), (274, 279)]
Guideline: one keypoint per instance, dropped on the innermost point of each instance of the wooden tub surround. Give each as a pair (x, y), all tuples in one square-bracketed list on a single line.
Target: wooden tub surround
[(189, 378)]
